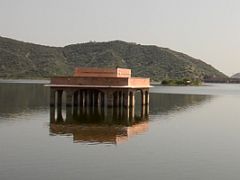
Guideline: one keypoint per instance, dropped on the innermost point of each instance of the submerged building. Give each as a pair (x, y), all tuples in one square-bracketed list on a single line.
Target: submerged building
[(100, 86), (110, 92)]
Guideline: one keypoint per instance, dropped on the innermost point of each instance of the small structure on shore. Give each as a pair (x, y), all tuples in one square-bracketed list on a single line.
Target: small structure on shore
[(98, 87)]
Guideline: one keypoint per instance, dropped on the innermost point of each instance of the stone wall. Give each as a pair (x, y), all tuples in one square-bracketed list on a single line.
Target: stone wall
[(97, 81)]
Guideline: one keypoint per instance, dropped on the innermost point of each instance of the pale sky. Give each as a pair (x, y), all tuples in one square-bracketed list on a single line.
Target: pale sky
[(204, 29)]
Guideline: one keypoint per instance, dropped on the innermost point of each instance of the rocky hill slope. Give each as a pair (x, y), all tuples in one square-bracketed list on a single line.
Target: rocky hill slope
[(26, 60)]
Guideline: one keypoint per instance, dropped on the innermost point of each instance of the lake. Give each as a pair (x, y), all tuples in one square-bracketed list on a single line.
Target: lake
[(190, 133)]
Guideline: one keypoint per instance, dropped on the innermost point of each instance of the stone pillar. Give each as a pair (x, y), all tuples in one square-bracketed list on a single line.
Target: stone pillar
[(105, 104), (102, 99), (132, 98), (105, 97), (143, 111), (75, 103), (109, 98), (126, 99), (132, 113), (81, 102), (52, 105), (85, 98), (125, 115), (59, 98), (143, 97), (99, 103), (147, 97), (147, 110), (69, 95), (99, 99), (59, 105)]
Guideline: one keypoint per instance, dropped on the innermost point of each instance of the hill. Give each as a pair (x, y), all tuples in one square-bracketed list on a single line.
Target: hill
[(26, 60), (237, 76)]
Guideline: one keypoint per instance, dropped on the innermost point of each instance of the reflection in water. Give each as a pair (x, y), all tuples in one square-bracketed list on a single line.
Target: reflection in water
[(165, 103), (99, 125), (191, 138), (17, 98), (114, 125)]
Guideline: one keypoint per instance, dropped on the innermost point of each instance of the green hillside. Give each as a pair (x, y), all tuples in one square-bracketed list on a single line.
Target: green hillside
[(25, 60)]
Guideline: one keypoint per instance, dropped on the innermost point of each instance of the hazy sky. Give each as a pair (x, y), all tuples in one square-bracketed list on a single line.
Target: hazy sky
[(205, 29)]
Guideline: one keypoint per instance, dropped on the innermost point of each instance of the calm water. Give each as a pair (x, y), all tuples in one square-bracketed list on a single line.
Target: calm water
[(191, 133)]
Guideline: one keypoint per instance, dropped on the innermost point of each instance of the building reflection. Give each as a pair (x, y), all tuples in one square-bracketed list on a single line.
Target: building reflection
[(99, 125)]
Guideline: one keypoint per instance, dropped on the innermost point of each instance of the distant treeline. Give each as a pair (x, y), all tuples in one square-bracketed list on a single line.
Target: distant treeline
[(181, 82), (222, 80)]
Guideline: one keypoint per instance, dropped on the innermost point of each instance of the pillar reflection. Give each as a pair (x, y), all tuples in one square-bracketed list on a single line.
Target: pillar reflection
[(91, 118)]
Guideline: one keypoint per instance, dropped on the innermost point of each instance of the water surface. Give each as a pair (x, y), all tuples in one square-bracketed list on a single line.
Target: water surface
[(190, 133)]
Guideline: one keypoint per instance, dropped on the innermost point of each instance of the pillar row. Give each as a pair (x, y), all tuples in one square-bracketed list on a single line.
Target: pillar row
[(76, 99)]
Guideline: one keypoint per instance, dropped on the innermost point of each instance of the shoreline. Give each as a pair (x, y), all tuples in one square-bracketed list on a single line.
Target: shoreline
[(25, 81)]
